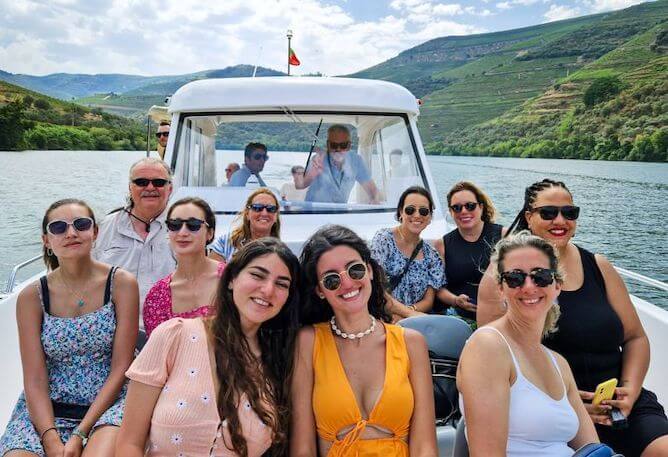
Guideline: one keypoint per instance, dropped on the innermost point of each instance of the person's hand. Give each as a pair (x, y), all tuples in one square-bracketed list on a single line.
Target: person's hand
[(52, 445), (316, 167), (624, 400), (599, 414), (462, 301), (73, 447)]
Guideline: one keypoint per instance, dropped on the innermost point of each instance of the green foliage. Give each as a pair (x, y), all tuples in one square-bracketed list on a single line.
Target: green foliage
[(12, 125), (42, 103), (602, 89)]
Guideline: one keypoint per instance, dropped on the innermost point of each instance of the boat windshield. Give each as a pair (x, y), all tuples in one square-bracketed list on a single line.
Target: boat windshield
[(366, 164)]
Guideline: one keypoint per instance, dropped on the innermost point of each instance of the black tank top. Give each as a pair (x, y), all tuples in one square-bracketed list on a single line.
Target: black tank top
[(590, 333), (465, 262)]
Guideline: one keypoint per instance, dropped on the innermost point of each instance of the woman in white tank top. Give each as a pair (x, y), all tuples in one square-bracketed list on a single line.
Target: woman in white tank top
[(518, 397)]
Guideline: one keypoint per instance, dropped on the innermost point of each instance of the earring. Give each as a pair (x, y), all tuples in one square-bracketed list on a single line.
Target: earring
[(49, 252), (322, 296), (505, 303)]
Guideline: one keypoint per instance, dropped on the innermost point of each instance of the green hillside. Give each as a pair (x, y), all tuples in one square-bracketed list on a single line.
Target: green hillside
[(29, 120)]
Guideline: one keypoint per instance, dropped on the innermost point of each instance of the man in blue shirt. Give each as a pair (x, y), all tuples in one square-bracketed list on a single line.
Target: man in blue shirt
[(331, 175), (255, 155)]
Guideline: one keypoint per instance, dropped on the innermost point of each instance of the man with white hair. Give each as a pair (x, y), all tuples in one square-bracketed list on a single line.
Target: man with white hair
[(135, 237)]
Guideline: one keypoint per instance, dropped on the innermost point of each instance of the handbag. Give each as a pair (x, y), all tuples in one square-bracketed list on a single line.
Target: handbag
[(596, 450), (395, 280)]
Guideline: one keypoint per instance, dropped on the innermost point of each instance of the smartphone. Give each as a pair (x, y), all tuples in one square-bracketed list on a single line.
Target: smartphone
[(604, 391)]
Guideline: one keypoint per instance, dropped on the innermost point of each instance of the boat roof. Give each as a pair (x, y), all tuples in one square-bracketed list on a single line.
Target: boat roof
[(296, 93)]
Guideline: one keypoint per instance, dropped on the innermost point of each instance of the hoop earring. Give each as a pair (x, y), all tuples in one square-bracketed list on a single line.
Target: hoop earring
[(49, 252)]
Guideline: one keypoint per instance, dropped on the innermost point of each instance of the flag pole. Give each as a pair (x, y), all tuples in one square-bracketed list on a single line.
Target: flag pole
[(289, 35)]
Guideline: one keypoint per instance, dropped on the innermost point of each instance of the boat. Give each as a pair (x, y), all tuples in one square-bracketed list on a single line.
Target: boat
[(213, 119)]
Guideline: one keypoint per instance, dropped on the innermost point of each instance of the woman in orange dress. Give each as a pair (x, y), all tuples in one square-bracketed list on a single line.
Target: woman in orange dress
[(361, 386)]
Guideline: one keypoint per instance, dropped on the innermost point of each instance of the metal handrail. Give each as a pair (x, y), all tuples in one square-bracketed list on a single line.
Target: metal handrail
[(12, 275), (643, 279)]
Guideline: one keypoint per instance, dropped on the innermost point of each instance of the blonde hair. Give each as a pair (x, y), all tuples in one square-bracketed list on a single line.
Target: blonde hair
[(243, 231), (525, 239)]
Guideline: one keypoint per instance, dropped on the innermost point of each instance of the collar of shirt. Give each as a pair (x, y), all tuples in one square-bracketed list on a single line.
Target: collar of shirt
[(126, 228)]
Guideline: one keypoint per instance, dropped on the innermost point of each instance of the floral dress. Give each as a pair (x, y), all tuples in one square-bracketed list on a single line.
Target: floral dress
[(78, 354), (422, 273)]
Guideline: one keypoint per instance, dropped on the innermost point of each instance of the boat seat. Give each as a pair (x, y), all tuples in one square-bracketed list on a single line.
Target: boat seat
[(461, 446)]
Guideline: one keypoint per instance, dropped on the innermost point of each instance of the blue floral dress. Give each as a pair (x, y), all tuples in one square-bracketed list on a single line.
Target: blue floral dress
[(422, 273), (78, 360)]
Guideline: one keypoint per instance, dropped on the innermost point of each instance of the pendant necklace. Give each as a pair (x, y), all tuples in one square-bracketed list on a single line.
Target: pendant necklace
[(80, 303)]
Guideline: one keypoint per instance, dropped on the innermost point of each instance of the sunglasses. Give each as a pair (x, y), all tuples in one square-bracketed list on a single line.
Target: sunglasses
[(80, 224), (410, 210), (192, 224), (258, 207), (548, 213), (260, 156), (332, 281), (470, 206), (143, 182), (541, 277), (159, 134), (338, 146)]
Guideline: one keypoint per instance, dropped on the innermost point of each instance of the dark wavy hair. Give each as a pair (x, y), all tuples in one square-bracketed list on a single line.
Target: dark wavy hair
[(530, 194), (50, 259), (209, 216), (316, 309), (413, 190), (265, 382)]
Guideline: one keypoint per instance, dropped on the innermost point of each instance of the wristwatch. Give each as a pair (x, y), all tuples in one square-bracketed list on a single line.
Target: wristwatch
[(77, 432)]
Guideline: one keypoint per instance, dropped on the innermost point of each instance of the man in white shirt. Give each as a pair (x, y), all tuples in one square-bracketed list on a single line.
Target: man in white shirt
[(289, 190)]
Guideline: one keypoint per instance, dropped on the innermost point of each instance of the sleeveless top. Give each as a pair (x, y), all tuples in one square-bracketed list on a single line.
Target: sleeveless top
[(335, 406), (537, 423), (590, 333), (465, 262)]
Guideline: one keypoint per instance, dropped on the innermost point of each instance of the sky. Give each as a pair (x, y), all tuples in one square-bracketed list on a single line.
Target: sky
[(333, 37)]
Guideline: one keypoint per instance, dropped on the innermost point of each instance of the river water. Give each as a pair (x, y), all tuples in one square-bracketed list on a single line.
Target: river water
[(624, 204)]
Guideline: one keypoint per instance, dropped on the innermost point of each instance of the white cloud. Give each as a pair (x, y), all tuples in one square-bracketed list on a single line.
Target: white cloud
[(504, 5), (598, 6), (182, 36), (559, 12)]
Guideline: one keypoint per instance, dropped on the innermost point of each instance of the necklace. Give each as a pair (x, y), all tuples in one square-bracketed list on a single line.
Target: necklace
[(80, 303), (352, 336)]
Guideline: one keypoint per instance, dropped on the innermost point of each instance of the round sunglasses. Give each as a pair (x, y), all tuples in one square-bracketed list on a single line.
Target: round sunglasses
[(550, 212), (192, 224), (258, 207), (470, 206), (423, 211), (541, 277), (80, 224), (332, 281)]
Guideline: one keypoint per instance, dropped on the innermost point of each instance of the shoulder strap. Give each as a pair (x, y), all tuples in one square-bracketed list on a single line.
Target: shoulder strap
[(44, 288), (512, 354), (395, 280), (109, 287)]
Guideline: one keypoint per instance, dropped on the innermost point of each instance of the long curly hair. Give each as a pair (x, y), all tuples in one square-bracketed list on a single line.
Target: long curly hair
[(266, 382), (316, 309), (243, 231)]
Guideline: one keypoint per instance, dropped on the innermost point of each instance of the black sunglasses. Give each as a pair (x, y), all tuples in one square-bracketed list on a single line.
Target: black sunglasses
[(143, 182), (258, 207), (192, 224), (410, 210), (541, 277), (332, 281), (470, 206), (258, 156), (159, 134), (338, 146), (80, 224), (548, 213)]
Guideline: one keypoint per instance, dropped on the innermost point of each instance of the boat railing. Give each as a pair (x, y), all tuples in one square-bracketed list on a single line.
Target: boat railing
[(643, 279), (11, 281)]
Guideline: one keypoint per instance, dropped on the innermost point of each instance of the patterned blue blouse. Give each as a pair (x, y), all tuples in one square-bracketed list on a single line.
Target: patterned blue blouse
[(422, 274)]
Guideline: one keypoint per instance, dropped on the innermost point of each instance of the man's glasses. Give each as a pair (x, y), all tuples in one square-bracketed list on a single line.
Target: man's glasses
[(470, 206), (192, 224), (332, 281), (423, 211), (260, 156), (143, 182), (541, 277), (258, 207), (80, 224), (338, 146), (159, 134), (548, 213)]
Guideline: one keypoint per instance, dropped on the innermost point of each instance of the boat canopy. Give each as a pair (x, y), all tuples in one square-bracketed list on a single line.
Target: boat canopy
[(294, 93)]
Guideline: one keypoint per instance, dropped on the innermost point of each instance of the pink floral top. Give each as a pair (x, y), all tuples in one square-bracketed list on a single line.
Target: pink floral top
[(158, 304)]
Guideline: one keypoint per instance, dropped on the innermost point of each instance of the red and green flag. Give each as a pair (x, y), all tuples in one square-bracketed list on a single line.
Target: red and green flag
[(292, 58)]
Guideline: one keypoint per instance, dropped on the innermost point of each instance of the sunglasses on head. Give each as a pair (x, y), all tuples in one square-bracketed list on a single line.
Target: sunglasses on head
[(80, 224), (470, 206), (260, 156), (332, 281), (192, 224), (258, 207), (541, 277), (550, 212), (410, 210), (338, 146), (159, 134), (143, 182)]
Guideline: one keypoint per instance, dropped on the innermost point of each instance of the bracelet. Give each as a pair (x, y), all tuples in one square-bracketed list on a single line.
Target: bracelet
[(77, 432), (41, 437), (411, 307)]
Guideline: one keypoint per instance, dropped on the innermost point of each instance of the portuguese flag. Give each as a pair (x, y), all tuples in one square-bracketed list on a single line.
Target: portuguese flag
[(292, 58)]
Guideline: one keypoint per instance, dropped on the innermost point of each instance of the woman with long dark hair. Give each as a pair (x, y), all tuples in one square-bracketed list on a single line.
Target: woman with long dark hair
[(77, 331), (219, 386), (361, 385), (599, 332)]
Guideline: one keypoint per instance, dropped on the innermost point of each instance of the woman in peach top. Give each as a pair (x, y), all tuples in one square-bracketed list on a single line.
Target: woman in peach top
[(220, 386)]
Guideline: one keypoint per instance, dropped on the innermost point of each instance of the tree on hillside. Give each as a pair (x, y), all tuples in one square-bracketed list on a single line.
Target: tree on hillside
[(12, 125), (602, 89)]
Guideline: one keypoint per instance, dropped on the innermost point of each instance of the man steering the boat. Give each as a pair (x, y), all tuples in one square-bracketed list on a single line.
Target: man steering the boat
[(331, 175), (135, 237), (255, 155)]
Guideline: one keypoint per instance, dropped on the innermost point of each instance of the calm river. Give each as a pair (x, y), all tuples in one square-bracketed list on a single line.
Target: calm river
[(624, 205)]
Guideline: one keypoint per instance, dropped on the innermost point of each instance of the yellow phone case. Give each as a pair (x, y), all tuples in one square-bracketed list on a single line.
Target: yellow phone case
[(604, 391)]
